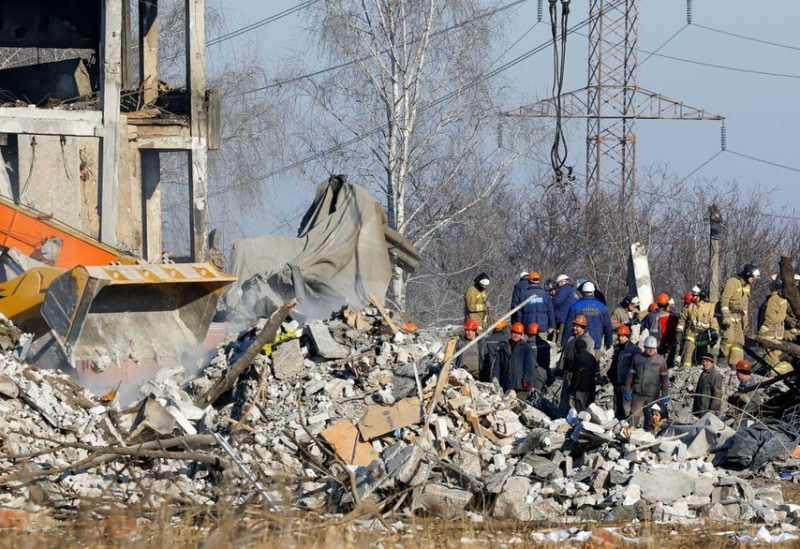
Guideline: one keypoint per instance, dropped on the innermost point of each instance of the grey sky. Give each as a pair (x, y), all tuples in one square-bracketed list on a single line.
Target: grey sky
[(762, 111)]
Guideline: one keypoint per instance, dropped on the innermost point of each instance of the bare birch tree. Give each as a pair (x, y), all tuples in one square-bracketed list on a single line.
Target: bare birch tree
[(410, 115)]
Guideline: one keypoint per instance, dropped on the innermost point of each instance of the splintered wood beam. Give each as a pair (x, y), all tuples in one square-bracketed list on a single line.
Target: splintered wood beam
[(111, 80), (195, 80), (148, 50)]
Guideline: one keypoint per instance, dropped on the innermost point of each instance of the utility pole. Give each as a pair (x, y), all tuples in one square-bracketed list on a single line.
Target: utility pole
[(715, 223), (612, 100)]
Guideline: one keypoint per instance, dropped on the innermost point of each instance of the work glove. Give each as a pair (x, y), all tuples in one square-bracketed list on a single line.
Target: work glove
[(627, 396), (664, 401), (726, 322), (526, 385)]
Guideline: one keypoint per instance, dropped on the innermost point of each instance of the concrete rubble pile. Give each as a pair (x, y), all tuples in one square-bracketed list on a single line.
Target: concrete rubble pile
[(329, 415)]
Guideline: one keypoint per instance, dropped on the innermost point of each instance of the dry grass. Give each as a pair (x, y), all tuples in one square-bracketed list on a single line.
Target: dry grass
[(220, 528)]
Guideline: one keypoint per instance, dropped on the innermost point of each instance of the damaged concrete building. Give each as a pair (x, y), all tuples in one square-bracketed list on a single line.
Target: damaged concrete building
[(82, 136)]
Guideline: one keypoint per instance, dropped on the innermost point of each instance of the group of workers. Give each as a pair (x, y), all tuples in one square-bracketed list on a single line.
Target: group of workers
[(555, 314)]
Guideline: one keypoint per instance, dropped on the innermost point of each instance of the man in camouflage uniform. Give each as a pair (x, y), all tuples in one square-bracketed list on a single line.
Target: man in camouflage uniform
[(700, 329), (771, 320), (734, 302)]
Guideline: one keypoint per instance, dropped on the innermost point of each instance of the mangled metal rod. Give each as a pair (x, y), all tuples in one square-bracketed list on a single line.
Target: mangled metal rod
[(246, 471)]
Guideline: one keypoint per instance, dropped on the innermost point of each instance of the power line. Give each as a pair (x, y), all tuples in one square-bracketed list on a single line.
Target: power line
[(664, 43), (442, 99), (763, 161), (745, 37), (261, 23), (458, 25), (723, 67)]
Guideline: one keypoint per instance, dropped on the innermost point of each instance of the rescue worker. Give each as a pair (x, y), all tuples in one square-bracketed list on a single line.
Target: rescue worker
[(600, 296), (771, 324), (700, 329), (520, 287), (491, 343), (620, 368), (598, 319), (562, 301), (568, 359), (648, 381), (734, 303), (645, 315), (708, 392), (657, 419), (663, 324), (515, 364), (627, 312), (583, 385), (541, 353), (746, 400), (475, 301), (472, 358), (538, 307)]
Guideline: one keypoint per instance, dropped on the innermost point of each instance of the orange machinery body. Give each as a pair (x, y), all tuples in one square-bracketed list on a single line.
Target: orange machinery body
[(28, 231)]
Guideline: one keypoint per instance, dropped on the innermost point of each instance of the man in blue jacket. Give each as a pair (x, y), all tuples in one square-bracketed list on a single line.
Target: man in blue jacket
[(562, 301), (520, 287), (515, 363), (597, 315), (539, 307)]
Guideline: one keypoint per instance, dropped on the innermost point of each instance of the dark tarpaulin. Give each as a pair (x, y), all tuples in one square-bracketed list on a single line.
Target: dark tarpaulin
[(339, 257)]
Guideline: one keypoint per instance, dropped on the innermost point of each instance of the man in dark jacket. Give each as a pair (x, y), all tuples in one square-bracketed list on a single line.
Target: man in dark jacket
[(584, 377), (620, 369), (515, 365), (541, 354), (471, 359), (538, 307), (599, 320), (708, 393), (491, 343), (648, 381), (568, 360), (562, 301)]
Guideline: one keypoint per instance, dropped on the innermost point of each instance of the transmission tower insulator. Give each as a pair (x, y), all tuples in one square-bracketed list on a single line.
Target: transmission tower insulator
[(539, 11), (723, 137), (688, 12)]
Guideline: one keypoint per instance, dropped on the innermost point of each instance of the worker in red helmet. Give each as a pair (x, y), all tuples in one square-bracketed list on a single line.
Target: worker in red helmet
[(470, 360), (541, 354), (515, 363), (747, 398), (662, 324)]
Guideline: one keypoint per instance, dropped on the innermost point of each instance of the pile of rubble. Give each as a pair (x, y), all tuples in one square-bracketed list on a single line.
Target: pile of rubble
[(329, 415)]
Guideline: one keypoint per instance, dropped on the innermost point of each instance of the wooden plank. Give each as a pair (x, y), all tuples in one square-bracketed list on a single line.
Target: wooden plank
[(386, 318), (195, 81), (164, 143), (111, 75), (267, 335), (148, 50), (35, 121), (151, 205)]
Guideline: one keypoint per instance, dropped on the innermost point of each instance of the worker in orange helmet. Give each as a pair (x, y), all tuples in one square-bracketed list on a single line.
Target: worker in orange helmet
[(470, 360), (568, 358), (624, 352), (541, 353), (515, 363), (662, 324), (491, 343)]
